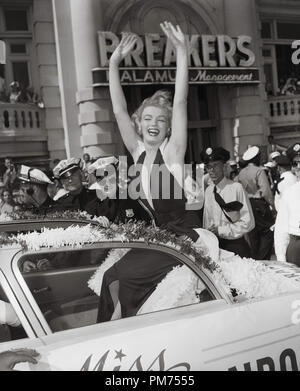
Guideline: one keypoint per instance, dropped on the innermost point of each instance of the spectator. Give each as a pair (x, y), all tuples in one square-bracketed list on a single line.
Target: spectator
[(255, 181), (269, 168), (290, 86), (286, 178), (273, 148), (3, 97), (227, 210), (10, 175), (33, 189), (287, 229), (233, 169), (86, 161), (15, 92), (7, 206)]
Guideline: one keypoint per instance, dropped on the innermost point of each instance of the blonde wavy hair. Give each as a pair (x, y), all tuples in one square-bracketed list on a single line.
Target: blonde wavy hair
[(161, 99)]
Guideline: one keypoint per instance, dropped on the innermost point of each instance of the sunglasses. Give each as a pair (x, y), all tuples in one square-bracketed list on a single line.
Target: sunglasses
[(296, 164)]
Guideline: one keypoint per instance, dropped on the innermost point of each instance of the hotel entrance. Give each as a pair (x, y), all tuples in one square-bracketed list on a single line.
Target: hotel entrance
[(202, 114)]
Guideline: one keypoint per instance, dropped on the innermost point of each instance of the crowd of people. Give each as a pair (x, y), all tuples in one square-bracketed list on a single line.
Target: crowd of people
[(242, 201), (17, 93)]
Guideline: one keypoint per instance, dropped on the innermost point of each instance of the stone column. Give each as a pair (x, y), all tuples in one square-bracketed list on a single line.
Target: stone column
[(47, 76), (66, 75), (246, 102), (95, 112)]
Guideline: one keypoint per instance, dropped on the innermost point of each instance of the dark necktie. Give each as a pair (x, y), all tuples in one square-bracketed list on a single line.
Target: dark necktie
[(227, 206), (276, 183)]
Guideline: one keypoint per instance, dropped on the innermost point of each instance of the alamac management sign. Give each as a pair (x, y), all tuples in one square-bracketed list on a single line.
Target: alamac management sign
[(212, 59)]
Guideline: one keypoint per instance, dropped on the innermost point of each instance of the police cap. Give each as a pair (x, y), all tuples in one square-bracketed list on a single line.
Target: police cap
[(293, 150), (215, 154)]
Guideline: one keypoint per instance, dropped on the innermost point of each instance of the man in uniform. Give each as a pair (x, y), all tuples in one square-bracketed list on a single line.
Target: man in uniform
[(285, 180), (255, 181), (33, 190), (78, 197), (227, 210), (109, 181), (287, 226)]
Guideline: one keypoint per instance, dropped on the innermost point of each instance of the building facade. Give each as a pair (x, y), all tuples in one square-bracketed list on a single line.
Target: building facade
[(59, 49)]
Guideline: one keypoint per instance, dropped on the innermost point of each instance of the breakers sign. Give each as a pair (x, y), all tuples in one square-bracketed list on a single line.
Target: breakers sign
[(212, 59)]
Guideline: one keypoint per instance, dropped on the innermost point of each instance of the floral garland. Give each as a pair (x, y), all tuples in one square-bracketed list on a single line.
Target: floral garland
[(252, 279), (66, 214), (76, 236)]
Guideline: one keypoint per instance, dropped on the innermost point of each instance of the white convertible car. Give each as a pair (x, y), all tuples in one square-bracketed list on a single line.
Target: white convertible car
[(233, 315)]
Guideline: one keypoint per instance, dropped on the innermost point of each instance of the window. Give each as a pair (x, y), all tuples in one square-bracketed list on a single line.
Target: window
[(269, 79), (286, 69), (20, 73), (267, 53), (288, 30), (16, 31), (282, 76), (16, 20), (266, 30), (18, 48), (66, 285)]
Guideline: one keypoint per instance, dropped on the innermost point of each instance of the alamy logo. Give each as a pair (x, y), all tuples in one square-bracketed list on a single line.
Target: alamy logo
[(296, 53)]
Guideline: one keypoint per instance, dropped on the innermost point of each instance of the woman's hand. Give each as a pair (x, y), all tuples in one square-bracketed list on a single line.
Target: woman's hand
[(124, 48), (175, 35)]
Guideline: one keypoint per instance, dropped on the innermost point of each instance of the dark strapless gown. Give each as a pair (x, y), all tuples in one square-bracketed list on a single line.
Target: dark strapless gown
[(135, 276)]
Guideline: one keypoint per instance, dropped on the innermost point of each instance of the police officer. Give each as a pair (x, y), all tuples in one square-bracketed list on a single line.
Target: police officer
[(285, 178), (33, 190), (287, 226), (78, 197), (109, 181), (227, 210), (255, 181)]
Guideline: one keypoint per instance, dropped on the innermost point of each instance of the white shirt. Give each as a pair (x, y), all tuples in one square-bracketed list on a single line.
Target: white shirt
[(242, 221), (288, 179), (287, 221)]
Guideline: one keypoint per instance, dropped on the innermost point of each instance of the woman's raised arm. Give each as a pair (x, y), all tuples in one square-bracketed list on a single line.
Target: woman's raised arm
[(119, 104), (178, 139)]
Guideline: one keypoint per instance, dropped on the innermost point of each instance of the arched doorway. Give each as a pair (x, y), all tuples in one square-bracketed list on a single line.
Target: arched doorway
[(144, 17)]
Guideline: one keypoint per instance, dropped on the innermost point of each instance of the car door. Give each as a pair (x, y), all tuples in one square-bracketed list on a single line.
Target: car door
[(204, 336), (62, 281), (210, 334), (15, 335)]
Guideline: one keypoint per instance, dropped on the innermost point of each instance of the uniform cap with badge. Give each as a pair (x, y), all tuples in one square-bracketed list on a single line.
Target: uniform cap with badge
[(293, 150), (33, 175), (108, 165), (215, 154), (270, 165), (67, 165), (274, 154), (282, 160), (102, 163)]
